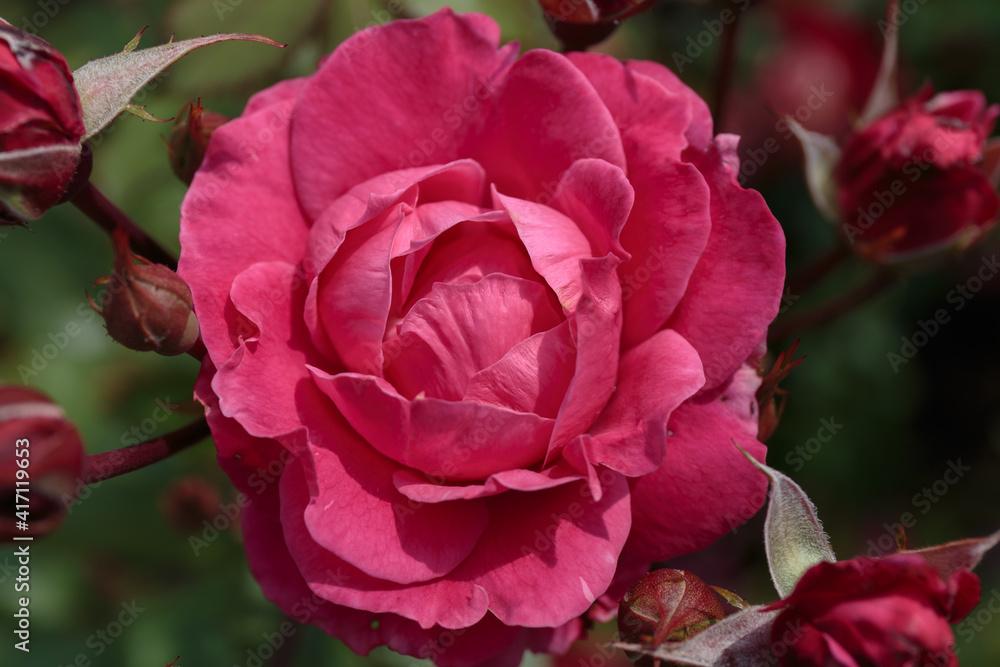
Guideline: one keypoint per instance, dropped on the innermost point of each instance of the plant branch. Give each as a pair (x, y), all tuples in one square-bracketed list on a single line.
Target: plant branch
[(99, 467), (109, 217)]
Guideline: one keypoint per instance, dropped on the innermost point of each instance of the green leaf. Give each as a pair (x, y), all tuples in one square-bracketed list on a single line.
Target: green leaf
[(793, 537), (821, 156), (107, 85)]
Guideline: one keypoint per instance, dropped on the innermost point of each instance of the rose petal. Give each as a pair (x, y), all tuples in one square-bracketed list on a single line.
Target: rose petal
[(252, 207), (596, 327), (735, 290), (532, 377), (356, 516), (545, 117), (560, 544), (404, 94), (445, 439), (421, 488), (269, 295), (444, 336), (704, 488), (655, 377)]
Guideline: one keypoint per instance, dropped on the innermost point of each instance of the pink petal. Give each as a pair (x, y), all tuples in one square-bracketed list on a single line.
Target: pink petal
[(545, 117), (467, 252), (423, 489), (270, 297), (445, 439), (532, 377), (459, 330), (548, 555), (598, 197), (226, 199), (355, 515), (452, 603), (670, 222), (406, 94), (281, 581), (556, 244), (354, 291), (596, 327), (735, 290), (704, 487), (654, 378), (283, 91), (699, 132)]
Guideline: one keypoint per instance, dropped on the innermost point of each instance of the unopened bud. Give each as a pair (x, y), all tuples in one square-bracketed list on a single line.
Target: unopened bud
[(41, 124), (188, 502), (41, 458), (147, 307), (667, 605), (189, 138)]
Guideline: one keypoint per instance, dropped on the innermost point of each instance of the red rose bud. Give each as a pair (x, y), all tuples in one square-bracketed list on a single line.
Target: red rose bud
[(146, 306), (41, 457), (579, 24), (41, 124), (667, 605), (189, 138), (890, 612), (912, 184), (593, 11)]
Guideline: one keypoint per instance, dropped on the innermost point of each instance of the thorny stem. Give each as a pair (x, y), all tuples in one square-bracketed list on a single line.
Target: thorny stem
[(109, 217)]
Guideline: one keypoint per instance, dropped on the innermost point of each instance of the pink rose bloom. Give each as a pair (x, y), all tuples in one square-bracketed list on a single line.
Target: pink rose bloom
[(883, 612), (480, 330)]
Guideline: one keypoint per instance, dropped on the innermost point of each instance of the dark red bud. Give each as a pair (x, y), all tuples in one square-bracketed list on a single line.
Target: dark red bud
[(667, 605), (189, 138), (41, 124), (188, 503), (146, 306), (41, 458)]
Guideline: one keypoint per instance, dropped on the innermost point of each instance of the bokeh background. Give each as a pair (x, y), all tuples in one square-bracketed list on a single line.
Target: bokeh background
[(902, 428)]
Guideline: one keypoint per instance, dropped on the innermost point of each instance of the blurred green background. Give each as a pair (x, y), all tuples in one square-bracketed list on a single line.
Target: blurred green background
[(901, 430)]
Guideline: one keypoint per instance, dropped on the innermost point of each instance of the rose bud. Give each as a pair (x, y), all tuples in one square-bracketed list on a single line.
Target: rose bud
[(919, 180), (890, 612), (189, 138), (146, 306), (580, 24), (188, 503), (667, 605), (41, 457), (41, 124)]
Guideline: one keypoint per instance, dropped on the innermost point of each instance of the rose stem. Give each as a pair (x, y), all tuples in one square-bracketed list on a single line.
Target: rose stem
[(99, 467), (99, 208), (817, 270), (832, 309), (724, 72)]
